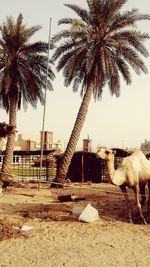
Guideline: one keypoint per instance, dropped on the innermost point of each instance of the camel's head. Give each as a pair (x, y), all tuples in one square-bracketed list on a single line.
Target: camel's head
[(6, 130), (106, 153)]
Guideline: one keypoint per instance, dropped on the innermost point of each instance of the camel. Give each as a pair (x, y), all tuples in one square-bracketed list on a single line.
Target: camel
[(134, 172)]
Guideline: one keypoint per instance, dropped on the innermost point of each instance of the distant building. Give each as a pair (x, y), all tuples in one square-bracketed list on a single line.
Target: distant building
[(59, 146), (87, 145), (47, 140), (31, 142), (26, 142), (145, 147)]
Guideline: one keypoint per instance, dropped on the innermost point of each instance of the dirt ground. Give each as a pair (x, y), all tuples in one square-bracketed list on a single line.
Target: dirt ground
[(58, 238)]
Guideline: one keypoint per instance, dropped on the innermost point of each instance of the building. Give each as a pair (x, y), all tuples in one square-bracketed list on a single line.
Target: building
[(31, 142), (27, 142), (145, 146), (47, 140), (59, 146), (87, 145)]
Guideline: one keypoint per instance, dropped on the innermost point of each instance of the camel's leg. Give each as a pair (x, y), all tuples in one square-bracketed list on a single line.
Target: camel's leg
[(142, 191), (138, 204), (143, 198), (128, 202), (148, 212)]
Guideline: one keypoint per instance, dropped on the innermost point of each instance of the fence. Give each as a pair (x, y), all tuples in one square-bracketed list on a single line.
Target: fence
[(84, 166), (26, 165)]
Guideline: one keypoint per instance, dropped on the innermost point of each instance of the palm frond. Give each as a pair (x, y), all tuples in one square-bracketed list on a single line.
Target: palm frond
[(29, 32), (127, 19), (133, 59), (82, 13), (64, 59), (37, 47), (134, 38), (124, 70), (19, 24)]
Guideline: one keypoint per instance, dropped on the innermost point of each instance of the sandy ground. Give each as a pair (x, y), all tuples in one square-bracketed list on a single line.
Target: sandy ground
[(58, 238)]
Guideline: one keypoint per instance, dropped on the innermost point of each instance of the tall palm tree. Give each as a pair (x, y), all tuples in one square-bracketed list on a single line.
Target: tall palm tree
[(23, 69), (97, 47)]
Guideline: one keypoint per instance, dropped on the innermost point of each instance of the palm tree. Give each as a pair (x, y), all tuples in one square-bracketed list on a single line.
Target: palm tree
[(23, 68), (97, 47), (5, 130)]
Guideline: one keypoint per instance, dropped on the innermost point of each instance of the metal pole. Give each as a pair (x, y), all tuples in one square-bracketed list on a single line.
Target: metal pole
[(43, 123)]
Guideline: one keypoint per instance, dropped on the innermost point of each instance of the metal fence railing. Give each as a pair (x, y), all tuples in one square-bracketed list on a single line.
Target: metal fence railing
[(26, 165)]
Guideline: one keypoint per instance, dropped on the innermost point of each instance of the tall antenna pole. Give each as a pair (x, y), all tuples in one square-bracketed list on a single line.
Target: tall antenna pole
[(44, 110)]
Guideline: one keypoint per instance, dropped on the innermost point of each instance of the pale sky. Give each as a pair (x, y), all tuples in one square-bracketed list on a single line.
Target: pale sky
[(123, 121)]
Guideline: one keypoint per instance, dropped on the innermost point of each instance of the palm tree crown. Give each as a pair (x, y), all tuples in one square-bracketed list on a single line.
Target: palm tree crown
[(102, 43), (22, 65)]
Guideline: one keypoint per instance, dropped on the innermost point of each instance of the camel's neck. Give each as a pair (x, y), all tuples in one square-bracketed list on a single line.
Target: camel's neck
[(110, 170), (115, 177)]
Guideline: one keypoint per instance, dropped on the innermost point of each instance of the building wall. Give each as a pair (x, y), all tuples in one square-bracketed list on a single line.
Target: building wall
[(87, 145), (25, 142), (27, 145), (47, 140)]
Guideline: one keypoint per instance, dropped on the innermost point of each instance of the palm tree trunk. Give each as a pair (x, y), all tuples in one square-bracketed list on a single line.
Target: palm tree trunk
[(4, 175), (71, 146)]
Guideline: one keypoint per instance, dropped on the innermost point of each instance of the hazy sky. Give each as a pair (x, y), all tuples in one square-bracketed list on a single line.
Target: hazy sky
[(111, 121)]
